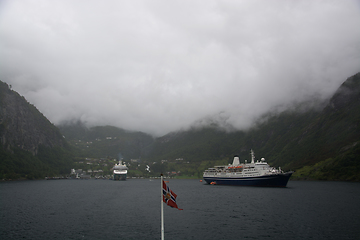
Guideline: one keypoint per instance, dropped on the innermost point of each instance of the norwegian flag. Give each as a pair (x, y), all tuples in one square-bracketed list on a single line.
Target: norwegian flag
[(169, 197)]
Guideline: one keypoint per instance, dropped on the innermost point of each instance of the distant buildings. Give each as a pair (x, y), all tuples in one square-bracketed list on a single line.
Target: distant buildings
[(83, 174)]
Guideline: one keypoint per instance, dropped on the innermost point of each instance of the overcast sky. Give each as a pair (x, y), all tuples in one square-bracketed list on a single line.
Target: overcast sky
[(161, 65)]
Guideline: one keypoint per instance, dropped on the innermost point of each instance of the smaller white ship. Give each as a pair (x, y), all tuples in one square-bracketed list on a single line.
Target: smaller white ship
[(120, 171)]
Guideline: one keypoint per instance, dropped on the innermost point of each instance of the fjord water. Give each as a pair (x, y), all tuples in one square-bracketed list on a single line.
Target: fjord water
[(105, 209)]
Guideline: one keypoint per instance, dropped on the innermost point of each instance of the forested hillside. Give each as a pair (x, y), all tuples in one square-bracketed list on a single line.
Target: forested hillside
[(107, 141), (31, 147), (326, 141), (317, 141)]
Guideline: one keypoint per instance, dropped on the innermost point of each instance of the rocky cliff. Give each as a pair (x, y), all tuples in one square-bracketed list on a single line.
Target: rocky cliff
[(22, 125)]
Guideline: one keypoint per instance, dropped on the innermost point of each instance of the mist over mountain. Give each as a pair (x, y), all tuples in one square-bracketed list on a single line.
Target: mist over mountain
[(321, 134), (30, 145), (23, 126), (196, 80), (174, 63), (317, 139)]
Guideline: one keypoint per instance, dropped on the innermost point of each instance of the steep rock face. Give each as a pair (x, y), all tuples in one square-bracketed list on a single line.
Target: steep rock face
[(347, 95), (22, 125)]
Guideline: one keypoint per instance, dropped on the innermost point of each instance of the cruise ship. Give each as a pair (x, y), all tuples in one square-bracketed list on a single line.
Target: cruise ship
[(120, 171), (256, 173)]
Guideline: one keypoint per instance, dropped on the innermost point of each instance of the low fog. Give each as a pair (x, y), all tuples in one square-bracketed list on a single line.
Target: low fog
[(160, 66)]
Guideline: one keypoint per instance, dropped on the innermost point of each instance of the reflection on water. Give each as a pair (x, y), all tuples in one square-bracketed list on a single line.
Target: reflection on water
[(104, 209)]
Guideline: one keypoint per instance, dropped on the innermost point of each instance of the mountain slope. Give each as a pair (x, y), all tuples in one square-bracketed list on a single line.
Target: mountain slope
[(319, 143), (31, 147), (292, 139), (107, 141), (338, 136)]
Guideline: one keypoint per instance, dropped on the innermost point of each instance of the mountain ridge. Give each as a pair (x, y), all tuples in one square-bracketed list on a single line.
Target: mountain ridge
[(307, 135), (31, 146), (22, 125), (319, 143)]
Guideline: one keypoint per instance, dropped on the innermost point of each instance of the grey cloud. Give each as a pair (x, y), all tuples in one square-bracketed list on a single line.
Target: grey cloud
[(159, 66)]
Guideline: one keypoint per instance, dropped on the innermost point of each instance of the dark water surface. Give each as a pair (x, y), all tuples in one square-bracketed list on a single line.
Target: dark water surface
[(104, 209)]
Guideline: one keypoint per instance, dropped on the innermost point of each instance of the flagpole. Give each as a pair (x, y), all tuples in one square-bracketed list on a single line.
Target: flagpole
[(162, 208)]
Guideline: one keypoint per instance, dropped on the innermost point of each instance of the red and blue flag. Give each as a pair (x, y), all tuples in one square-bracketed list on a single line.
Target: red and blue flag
[(169, 197)]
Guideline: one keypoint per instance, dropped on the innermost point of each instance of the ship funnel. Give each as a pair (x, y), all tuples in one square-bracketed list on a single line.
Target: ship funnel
[(236, 161)]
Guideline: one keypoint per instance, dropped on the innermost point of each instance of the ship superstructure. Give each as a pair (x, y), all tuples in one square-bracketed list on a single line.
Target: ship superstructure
[(120, 171), (256, 173)]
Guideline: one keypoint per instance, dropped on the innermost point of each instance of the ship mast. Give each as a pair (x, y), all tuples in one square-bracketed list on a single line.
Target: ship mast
[(252, 156)]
